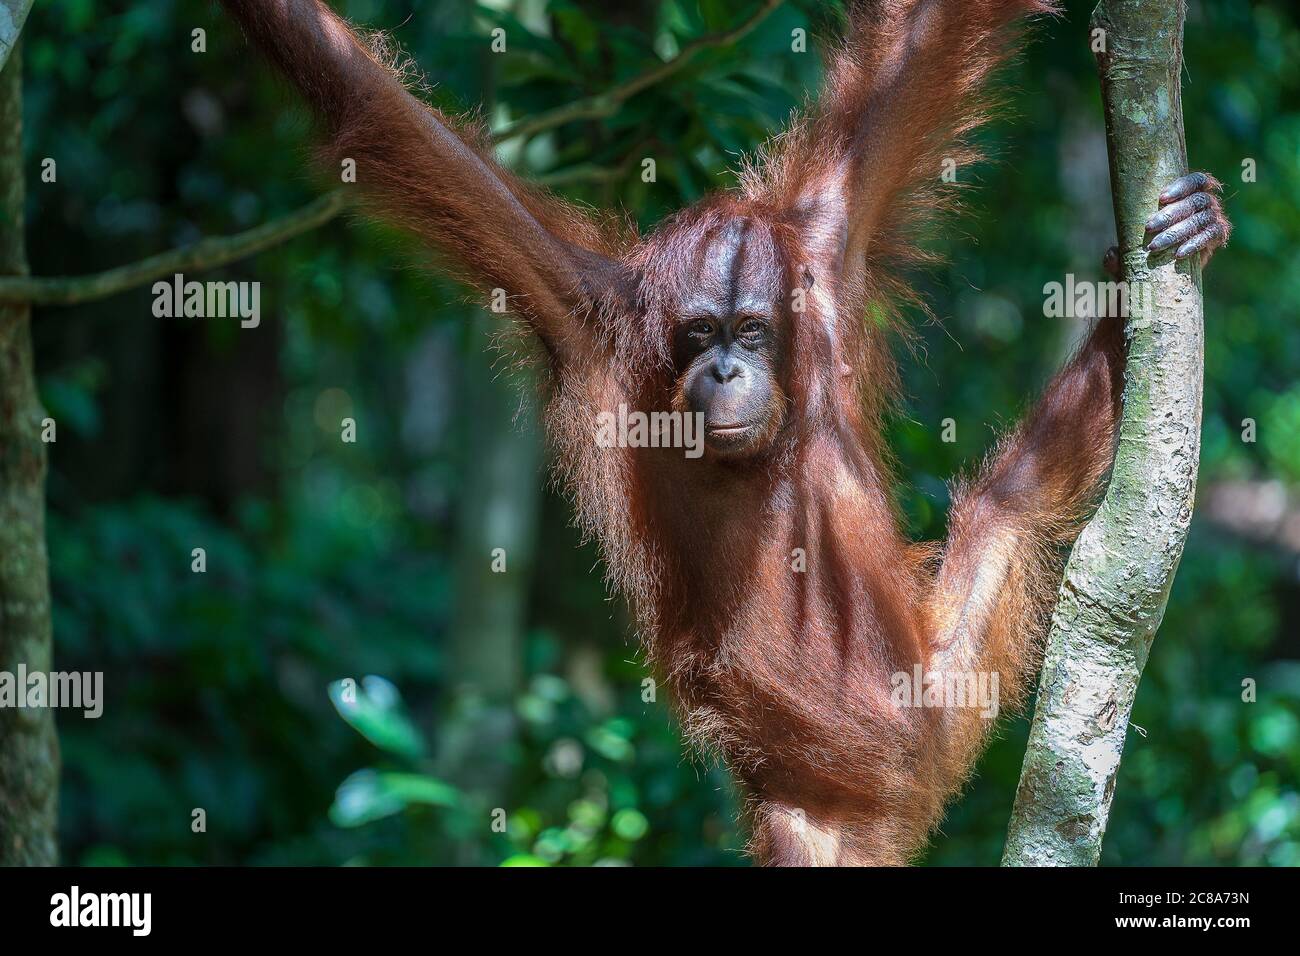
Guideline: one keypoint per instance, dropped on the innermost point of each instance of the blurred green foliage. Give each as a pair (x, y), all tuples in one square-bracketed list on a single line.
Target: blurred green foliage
[(247, 690)]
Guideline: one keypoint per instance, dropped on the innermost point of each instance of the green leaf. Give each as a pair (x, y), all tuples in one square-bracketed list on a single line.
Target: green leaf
[(369, 795), (375, 711)]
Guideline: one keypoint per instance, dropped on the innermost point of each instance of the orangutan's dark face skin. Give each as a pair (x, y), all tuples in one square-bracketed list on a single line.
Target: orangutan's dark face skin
[(728, 339)]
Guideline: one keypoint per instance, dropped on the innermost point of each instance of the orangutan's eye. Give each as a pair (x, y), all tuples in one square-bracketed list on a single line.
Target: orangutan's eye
[(751, 332)]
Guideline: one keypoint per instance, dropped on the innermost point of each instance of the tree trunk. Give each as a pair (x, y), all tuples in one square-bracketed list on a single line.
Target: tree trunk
[(29, 750), (499, 505), (13, 14), (1118, 576)]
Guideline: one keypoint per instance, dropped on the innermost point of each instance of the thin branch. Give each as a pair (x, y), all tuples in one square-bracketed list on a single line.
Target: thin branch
[(584, 173), (607, 103), (207, 253)]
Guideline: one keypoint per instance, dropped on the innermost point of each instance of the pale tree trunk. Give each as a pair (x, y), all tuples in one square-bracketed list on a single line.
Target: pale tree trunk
[(499, 507), (1118, 576), (29, 750), (500, 502)]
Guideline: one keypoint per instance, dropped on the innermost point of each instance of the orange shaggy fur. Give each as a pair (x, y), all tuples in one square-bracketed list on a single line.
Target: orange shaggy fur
[(783, 674)]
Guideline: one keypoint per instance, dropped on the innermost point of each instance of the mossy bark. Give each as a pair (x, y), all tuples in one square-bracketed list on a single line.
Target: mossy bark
[(13, 14), (1119, 574), (29, 750)]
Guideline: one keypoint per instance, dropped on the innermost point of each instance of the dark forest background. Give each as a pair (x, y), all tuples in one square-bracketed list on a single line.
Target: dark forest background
[(522, 692)]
